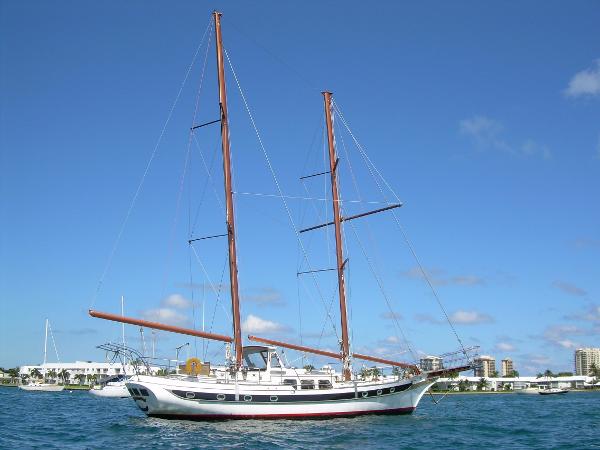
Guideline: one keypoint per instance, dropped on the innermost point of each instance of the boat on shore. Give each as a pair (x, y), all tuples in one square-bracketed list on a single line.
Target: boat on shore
[(257, 383)]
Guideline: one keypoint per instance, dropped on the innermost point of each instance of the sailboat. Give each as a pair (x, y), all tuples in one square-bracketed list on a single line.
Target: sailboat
[(43, 386), (257, 384)]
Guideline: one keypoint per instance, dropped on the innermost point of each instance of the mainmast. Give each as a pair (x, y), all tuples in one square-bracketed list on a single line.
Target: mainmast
[(337, 221), (230, 217)]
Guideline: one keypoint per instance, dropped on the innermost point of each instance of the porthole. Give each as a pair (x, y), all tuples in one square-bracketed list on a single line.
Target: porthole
[(190, 395), (365, 394), (379, 391), (392, 390), (274, 398), (220, 396), (247, 398)]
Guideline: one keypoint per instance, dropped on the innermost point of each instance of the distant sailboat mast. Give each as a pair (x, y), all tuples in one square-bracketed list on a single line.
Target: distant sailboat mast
[(45, 351)]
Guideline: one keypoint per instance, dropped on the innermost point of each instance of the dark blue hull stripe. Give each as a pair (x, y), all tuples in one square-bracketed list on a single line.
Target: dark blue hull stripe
[(275, 398)]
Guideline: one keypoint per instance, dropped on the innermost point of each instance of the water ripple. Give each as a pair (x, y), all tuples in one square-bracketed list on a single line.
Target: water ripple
[(76, 420)]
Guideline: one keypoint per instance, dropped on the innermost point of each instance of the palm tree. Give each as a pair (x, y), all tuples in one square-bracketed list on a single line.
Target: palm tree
[(14, 373), (91, 378), (463, 385), (51, 374), (514, 373), (35, 373), (80, 377), (482, 384), (65, 375)]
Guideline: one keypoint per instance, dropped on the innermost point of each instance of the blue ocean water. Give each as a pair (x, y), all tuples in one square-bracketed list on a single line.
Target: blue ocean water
[(78, 420)]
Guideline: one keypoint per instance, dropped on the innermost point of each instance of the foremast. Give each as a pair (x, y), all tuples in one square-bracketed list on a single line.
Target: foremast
[(230, 216), (230, 223), (337, 222)]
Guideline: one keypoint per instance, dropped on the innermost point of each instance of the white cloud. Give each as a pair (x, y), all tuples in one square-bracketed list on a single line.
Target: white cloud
[(439, 277), (392, 340), (470, 317), (567, 343), (488, 133), (390, 315), (585, 83), (176, 301), (481, 128), (569, 288), (264, 296), (165, 315), (254, 324), (505, 347)]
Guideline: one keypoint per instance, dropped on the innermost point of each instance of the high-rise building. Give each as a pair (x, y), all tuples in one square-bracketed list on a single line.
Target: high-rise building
[(429, 363), (584, 358), (507, 367), (485, 366)]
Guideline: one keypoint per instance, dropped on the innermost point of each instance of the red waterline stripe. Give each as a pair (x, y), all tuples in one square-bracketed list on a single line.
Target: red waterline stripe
[(281, 416)]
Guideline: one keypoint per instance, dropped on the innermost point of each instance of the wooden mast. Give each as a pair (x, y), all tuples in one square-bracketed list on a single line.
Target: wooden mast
[(230, 217), (337, 221)]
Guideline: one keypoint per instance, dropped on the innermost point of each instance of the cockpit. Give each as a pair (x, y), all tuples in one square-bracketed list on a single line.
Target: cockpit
[(259, 357)]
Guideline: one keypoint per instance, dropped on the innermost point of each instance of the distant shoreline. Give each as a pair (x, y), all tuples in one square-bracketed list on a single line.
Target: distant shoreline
[(496, 392)]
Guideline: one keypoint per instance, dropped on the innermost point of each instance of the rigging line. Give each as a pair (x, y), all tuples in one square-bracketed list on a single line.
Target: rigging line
[(53, 341), (207, 181), (296, 197), (273, 174), (212, 322), (190, 227), (175, 218), (183, 175), (404, 235), (212, 286), (357, 189), (383, 293), (302, 211), (275, 57), (146, 170), (208, 172)]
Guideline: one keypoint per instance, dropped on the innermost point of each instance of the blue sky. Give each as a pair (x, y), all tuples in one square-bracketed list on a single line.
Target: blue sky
[(484, 118)]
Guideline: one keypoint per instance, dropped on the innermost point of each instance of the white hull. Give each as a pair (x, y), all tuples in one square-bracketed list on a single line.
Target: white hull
[(113, 390), (206, 399), (527, 391), (553, 391), (42, 387)]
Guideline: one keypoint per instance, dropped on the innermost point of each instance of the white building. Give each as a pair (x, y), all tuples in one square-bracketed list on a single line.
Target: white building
[(91, 370), (507, 367), (485, 366), (584, 358), (429, 363), (516, 384)]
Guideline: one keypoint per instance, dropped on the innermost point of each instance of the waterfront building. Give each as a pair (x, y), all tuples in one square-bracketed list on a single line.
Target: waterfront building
[(485, 366), (82, 372), (507, 367), (429, 363), (465, 383), (584, 358)]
